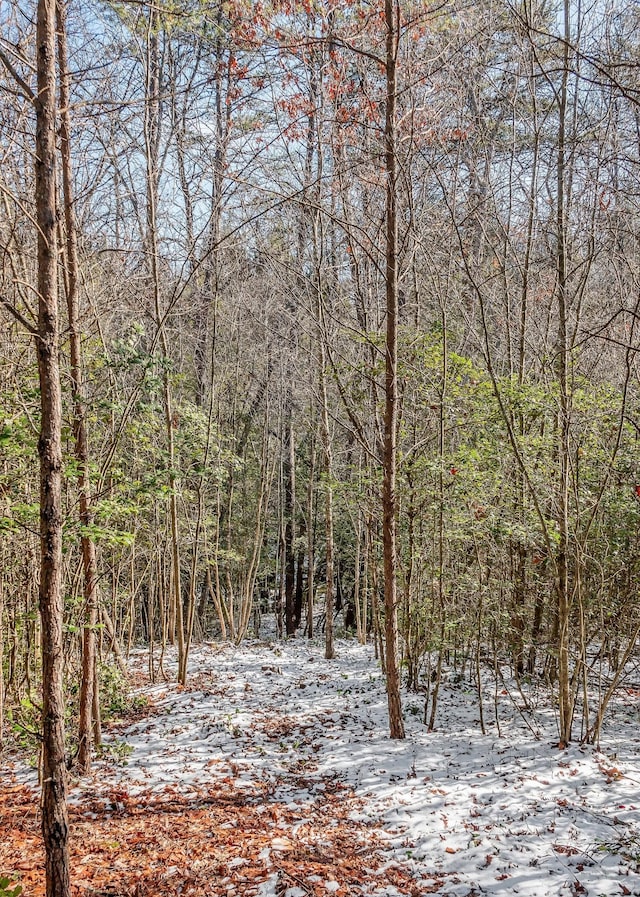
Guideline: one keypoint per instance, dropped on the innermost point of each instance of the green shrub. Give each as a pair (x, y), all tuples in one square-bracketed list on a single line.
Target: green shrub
[(9, 888), (114, 691)]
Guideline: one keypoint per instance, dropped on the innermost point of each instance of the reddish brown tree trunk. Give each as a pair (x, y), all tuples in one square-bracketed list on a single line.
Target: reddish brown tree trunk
[(396, 725)]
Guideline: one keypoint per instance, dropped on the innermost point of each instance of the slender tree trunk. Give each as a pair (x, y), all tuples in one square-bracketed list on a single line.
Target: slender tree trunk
[(152, 143), (563, 360), (329, 651), (96, 719), (55, 827), (357, 579), (289, 513), (366, 548), (200, 523), (208, 300), (299, 589), (282, 552), (267, 475), (89, 562), (3, 557), (282, 544), (311, 537), (389, 461)]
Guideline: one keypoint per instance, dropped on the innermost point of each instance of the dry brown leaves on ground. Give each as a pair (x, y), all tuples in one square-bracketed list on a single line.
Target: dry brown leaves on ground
[(224, 841)]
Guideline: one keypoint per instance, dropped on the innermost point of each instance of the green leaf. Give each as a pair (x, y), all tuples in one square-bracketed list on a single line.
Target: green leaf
[(6, 890)]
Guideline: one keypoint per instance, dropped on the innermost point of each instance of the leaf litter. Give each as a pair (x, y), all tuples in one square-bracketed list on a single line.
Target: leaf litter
[(271, 775)]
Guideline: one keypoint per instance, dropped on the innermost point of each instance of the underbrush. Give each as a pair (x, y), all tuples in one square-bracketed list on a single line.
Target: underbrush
[(117, 703), (8, 887)]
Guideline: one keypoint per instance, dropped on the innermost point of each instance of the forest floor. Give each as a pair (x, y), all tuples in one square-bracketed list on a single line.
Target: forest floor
[(271, 775)]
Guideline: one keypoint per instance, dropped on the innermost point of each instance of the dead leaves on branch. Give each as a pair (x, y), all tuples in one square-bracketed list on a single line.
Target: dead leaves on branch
[(225, 840)]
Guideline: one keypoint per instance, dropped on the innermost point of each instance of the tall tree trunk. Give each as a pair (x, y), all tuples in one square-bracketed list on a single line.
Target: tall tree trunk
[(55, 827), (3, 556), (201, 526), (289, 467), (563, 360), (89, 562), (152, 145), (329, 650), (208, 299), (310, 535), (389, 455), (299, 591)]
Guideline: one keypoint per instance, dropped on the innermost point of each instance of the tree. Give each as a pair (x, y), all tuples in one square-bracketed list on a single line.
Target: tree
[(88, 547), (389, 455), (55, 827)]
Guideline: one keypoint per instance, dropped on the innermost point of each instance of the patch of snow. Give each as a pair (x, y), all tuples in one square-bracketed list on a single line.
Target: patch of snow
[(505, 813)]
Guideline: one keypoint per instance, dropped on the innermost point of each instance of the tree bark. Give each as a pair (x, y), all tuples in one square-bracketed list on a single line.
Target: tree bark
[(563, 361), (389, 457), (289, 468), (55, 827)]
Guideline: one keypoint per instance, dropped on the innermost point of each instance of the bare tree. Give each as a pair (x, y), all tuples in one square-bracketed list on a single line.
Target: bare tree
[(89, 562)]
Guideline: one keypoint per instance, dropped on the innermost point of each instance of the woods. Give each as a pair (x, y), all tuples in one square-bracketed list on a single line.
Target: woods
[(321, 311)]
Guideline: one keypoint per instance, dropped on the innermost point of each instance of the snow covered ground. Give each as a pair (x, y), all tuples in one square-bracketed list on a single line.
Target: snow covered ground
[(464, 813)]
